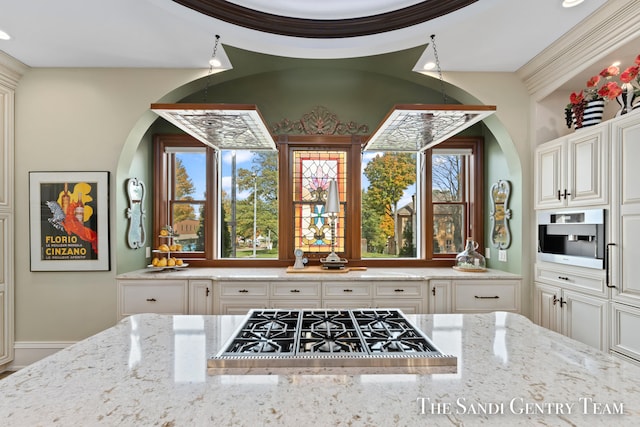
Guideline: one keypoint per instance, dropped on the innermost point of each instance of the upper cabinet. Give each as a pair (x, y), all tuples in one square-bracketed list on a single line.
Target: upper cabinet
[(573, 170)]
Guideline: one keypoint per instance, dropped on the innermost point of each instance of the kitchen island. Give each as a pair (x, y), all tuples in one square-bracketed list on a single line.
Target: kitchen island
[(151, 369)]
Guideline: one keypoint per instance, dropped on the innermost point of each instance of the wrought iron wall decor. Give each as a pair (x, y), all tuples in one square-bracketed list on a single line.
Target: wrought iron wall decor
[(319, 121), (500, 214)]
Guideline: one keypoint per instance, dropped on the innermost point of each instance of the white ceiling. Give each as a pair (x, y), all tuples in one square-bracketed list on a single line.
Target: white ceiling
[(489, 35)]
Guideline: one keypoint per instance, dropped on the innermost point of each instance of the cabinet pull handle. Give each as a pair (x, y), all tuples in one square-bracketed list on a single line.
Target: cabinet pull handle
[(243, 291), (433, 291), (208, 292), (562, 302), (494, 297), (606, 263), (566, 194), (398, 290), (563, 278), (151, 300), (347, 290), (295, 291), (555, 299), (559, 195)]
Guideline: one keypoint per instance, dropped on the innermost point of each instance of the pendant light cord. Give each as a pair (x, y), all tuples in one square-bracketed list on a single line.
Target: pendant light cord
[(213, 55), (435, 54)]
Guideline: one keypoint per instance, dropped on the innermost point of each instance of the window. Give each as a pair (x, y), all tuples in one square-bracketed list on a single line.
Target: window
[(256, 207)]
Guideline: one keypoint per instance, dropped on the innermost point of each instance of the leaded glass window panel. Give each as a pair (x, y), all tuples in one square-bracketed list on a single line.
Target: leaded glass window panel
[(312, 172)]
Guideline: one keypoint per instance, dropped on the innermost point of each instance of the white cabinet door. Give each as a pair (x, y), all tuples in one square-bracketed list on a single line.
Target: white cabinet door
[(587, 167), (439, 296), (549, 179), (585, 318), (547, 312), (200, 297), (625, 211), (574, 314), (573, 170), (625, 324)]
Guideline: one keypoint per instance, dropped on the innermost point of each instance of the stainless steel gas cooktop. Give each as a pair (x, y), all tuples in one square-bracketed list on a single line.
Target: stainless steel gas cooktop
[(332, 338)]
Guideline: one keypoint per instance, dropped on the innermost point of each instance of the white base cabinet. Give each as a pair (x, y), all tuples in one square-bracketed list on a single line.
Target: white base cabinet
[(574, 314), (237, 297)]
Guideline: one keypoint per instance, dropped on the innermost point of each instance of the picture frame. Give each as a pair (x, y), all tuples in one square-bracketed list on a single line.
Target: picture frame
[(69, 221)]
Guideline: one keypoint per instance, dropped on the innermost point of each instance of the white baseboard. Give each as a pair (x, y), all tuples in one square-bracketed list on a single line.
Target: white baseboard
[(28, 352)]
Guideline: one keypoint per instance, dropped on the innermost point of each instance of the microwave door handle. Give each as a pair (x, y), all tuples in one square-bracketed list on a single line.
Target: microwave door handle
[(606, 263)]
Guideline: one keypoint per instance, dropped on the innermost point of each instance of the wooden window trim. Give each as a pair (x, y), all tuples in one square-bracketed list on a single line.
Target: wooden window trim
[(353, 145)]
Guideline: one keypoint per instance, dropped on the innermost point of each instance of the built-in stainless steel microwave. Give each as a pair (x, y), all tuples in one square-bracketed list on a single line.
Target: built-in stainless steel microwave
[(572, 237)]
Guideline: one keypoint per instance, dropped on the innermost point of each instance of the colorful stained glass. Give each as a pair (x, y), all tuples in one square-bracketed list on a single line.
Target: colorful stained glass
[(312, 172)]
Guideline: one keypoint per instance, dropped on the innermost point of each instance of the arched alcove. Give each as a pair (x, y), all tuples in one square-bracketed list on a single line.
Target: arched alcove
[(362, 90)]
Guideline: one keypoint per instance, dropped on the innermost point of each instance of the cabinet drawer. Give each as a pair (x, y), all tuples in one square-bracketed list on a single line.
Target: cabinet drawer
[(412, 290), (166, 297), (295, 290), (480, 296), (244, 289), (573, 279), (286, 304), (346, 289)]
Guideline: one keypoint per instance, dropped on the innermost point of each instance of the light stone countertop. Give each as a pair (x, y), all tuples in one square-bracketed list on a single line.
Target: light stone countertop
[(151, 370), (371, 274)]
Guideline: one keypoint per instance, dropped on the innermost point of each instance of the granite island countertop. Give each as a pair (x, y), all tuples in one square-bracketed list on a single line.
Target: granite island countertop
[(151, 369)]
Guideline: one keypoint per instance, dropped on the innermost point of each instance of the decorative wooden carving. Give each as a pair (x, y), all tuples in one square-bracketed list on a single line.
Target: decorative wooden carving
[(318, 121)]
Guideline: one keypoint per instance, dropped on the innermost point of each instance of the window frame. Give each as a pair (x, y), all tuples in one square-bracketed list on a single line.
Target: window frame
[(286, 143)]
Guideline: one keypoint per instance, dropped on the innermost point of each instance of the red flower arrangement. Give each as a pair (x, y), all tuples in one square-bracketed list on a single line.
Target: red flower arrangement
[(630, 79)]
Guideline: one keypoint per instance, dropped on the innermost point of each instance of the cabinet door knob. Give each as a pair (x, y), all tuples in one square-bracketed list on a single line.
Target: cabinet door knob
[(151, 300)]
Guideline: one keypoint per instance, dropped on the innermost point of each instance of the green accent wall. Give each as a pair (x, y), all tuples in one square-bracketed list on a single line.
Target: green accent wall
[(361, 90)]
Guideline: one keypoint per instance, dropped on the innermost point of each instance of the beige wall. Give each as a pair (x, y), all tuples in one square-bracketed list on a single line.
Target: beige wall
[(76, 120)]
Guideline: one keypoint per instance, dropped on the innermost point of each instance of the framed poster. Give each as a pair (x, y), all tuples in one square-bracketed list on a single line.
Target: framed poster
[(69, 221)]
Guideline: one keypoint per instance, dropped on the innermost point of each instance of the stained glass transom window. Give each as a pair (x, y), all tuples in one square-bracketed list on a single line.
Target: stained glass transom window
[(312, 172)]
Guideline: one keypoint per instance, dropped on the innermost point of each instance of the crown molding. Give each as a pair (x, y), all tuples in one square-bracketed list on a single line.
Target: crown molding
[(11, 70), (604, 31)]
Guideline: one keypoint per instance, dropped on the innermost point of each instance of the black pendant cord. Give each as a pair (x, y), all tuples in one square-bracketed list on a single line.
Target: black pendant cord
[(435, 54)]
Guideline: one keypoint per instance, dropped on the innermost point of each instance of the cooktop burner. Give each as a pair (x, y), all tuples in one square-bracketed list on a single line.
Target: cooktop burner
[(328, 338)]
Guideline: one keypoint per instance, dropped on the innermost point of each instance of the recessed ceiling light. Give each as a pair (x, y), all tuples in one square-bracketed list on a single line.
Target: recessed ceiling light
[(429, 66), (4, 36), (571, 3)]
